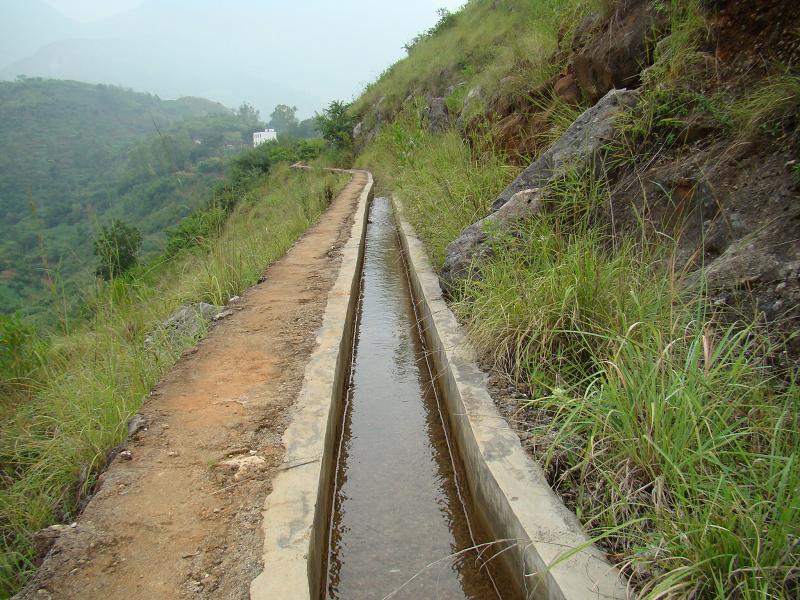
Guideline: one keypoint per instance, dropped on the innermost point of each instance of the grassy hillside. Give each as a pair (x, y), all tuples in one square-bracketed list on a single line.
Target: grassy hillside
[(74, 155), (664, 410)]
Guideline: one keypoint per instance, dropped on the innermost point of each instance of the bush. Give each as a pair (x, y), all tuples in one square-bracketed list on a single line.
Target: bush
[(194, 230), (336, 125), (116, 247), (21, 350)]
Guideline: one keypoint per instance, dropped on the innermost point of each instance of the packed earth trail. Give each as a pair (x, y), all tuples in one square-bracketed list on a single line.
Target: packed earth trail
[(178, 513)]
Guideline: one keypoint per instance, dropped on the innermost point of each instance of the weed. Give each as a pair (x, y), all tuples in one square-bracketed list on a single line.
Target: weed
[(773, 107)]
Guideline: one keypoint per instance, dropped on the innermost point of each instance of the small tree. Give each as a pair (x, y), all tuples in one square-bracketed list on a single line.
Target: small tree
[(336, 125), (116, 247), (284, 119)]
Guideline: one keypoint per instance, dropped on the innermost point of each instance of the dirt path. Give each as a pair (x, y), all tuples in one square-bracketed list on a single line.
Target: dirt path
[(179, 519)]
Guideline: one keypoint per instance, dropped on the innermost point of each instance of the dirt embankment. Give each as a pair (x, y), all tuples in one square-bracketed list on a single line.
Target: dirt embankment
[(180, 516)]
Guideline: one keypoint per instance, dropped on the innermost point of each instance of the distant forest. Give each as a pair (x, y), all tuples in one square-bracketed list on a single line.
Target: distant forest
[(75, 156)]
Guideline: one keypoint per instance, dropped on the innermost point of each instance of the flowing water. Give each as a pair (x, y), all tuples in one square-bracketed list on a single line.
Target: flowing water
[(398, 527)]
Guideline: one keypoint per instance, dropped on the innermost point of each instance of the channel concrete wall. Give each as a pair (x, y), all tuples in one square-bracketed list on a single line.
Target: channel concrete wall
[(296, 511), (550, 554)]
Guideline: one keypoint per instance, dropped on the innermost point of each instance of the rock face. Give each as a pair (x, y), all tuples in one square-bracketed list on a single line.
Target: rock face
[(621, 47), (581, 147), (733, 210)]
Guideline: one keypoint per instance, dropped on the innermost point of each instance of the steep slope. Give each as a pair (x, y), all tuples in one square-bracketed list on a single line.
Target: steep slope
[(73, 155), (611, 192)]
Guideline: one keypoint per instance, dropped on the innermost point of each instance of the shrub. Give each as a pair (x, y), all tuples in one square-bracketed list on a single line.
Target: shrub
[(336, 125), (194, 230), (116, 247), (21, 351)]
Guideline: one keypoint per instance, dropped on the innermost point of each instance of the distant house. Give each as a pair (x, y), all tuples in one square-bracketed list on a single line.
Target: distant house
[(268, 135)]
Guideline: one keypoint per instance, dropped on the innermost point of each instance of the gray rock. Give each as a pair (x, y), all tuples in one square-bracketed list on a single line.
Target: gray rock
[(581, 147), (472, 96), (136, 423), (437, 114), (188, 321)]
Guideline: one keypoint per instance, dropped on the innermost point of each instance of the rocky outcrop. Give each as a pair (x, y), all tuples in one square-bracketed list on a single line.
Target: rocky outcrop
[(471, 98), (611, 54), (581, 147), (733, 210)]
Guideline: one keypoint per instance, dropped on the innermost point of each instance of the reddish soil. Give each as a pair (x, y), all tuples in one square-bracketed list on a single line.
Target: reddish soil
[(181, 517)]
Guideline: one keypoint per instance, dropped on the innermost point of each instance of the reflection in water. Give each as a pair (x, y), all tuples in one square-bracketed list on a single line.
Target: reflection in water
[(398, 521)]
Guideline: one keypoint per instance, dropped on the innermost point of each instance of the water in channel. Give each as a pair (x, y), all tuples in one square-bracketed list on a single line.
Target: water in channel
[(398, 526)]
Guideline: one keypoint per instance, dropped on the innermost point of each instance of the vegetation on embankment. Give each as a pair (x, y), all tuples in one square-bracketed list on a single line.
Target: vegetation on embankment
[(75, 155), (66, 397), (665, 414)]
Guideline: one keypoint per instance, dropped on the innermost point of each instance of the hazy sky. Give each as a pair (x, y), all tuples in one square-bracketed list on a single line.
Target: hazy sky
[(302, 52), (87, 11)]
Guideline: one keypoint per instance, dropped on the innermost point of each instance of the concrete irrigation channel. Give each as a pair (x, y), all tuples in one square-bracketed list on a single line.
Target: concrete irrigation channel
[(404, 480)]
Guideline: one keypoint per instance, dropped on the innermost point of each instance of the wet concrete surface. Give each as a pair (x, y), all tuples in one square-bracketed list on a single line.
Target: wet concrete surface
[(399, 527)]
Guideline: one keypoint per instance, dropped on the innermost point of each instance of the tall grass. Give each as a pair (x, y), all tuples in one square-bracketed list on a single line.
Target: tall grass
[(450, 182), (486, 42), (670, 436), (53, 445)]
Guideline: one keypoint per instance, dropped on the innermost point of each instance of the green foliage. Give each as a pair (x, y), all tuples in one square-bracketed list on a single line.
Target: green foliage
[(336, 125), (74, 154), (197, 229), (284, 119), (482, 45), (21, 353), (773, 107), (446, 20), (448, 184), (116, 247), (258, 161)]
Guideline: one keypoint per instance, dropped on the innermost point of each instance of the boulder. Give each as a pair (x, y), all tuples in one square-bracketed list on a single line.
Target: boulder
[(188, 321), (615, 56), (581, 147), (437, 114), (472, 96)]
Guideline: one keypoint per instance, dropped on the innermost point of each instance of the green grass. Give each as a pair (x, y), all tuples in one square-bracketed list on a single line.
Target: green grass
[(487, 42), (671, 438), (53, 444), (669, 435)]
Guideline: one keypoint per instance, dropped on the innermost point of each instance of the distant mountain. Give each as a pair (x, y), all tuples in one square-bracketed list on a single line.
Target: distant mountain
[(215, 50), (155, 63), (73, 155), (27, 26)]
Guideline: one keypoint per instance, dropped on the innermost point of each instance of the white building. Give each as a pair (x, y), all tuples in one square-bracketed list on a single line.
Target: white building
[(268, 135)]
